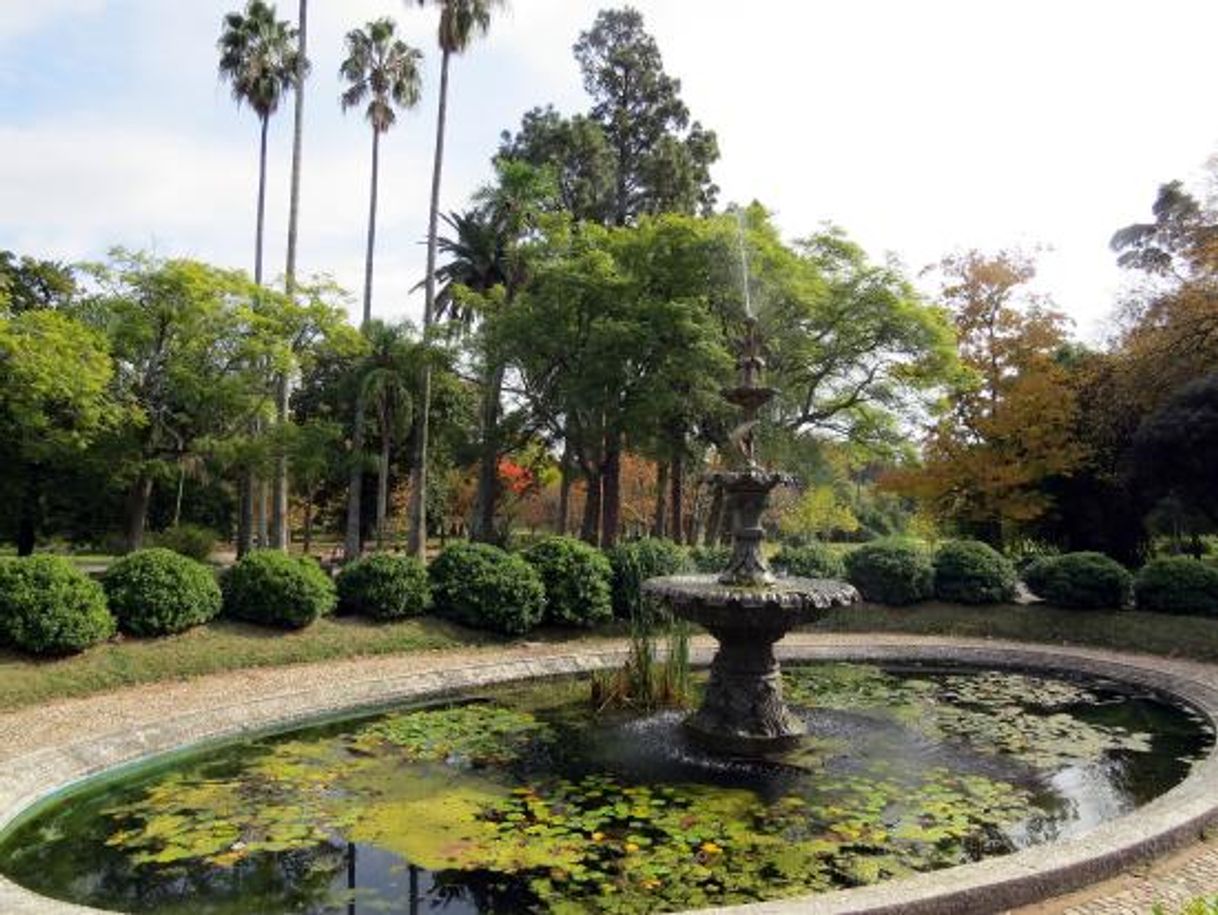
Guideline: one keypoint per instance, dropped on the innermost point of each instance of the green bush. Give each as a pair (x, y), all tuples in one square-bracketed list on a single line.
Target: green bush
[(1086, 581), (1177, 585), (635, 562), (891, 572), (384, 587), (270, 587), (811, 560), (577, 580), (158, 591), (710, 559), (480, 585), (972, 572), (48, 606), (191, 540)]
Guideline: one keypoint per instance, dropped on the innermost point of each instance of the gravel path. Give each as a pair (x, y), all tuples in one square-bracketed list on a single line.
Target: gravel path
[(1172, 881)]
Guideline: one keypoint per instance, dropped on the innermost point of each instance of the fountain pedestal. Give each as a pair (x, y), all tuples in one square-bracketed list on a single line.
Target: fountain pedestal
[(746, 609)]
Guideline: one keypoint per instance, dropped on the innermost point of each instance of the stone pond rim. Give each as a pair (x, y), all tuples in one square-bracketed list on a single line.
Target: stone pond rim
[(1174, 819)]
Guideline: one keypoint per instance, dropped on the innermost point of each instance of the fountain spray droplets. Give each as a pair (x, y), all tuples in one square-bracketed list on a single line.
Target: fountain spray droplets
[(744, 261)]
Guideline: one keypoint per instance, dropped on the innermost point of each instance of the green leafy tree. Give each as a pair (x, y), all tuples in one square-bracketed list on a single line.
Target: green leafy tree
[(55, 376), (384, 71), (27, 283), (661, 161), (460, 21)]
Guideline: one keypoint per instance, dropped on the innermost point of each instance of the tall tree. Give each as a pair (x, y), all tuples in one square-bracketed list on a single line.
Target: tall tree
[(279, 506), (384, 71), (662, 161), (460, 21), (28, 283), (260, 58)]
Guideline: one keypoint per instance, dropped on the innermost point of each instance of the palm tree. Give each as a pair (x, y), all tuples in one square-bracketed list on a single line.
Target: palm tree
[(385, 71), (460, 20), (279, 505), (383, 381), (260, 58)]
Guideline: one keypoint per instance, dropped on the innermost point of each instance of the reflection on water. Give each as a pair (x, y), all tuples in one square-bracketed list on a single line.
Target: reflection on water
[(522, 801)]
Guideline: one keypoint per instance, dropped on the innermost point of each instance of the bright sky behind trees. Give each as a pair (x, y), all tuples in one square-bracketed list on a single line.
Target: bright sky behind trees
[(919, 127)]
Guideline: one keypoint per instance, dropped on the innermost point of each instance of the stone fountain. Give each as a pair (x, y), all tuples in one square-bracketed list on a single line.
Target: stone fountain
[(746, 608)]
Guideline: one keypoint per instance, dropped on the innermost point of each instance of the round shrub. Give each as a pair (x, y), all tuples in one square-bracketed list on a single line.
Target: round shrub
[(577, 580), (48, 606), (158, 591), (480, 585), (1086, 581), (191, 540), (811, 560), (635, 562), (384, 587), (1177, 585), (972, 572), (710, 559), (270, 587), (890, 572)]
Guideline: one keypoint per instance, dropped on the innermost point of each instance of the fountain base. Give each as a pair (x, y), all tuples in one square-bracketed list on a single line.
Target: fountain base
[(743, 711)]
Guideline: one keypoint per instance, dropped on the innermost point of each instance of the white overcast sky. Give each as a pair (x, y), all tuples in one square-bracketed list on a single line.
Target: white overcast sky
[(920, 126)]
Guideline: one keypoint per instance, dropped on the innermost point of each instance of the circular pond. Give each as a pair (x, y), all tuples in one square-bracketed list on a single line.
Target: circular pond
[(519, 798)]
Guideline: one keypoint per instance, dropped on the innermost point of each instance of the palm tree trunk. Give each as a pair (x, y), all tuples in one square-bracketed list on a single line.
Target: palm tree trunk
[(280, 531), (376, 162), (488, 472), (417, 543), (352, 544), (266, 122), (382, 479)]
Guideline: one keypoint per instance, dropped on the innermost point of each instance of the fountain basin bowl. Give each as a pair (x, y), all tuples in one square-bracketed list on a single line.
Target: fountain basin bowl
[(779, 605)]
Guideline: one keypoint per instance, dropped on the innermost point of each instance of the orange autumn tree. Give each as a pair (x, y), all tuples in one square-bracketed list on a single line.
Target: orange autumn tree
[(1008, 424)]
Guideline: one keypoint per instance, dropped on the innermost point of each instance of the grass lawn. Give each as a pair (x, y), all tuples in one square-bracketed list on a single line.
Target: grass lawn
[(1125, 630), (225, 645), (221, 645)]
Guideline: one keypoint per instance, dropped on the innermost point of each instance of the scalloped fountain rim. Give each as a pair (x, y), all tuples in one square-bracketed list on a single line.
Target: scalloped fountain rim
[(1172, 820)]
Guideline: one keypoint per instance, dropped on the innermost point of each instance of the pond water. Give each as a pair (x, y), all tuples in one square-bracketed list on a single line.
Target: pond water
[(523, 800)]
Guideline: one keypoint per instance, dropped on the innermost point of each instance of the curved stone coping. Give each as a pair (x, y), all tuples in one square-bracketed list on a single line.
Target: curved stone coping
[(1170, 821)]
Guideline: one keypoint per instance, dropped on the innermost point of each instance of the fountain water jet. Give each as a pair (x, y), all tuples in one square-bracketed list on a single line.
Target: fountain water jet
[(746, 608)]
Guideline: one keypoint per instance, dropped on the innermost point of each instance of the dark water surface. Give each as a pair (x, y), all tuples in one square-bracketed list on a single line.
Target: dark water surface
[(521, 800)]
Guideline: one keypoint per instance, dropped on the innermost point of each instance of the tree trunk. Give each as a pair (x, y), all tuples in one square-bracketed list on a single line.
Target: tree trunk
[(31, 498), (177, 502), (266, 122), (264, 511), (308, 523), (611, 489), (368, 257), (488, 470), (714, 517), (382, 476), (657, 524), (281, 534), (138, 497), (417, 541), (564, 491), (677, 479), (245, 515), (590, 527), (355, 485)]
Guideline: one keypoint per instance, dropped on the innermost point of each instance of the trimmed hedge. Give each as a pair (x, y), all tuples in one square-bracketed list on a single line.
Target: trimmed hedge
[(272, 588), (1177, 584), (635, 562), (891, 572), (710, 559), (972, 572), (480, 585), (1083, 581), (384, 587), (191, 540), (577, 580), (158, 592), (809, 560), (49, 607)]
